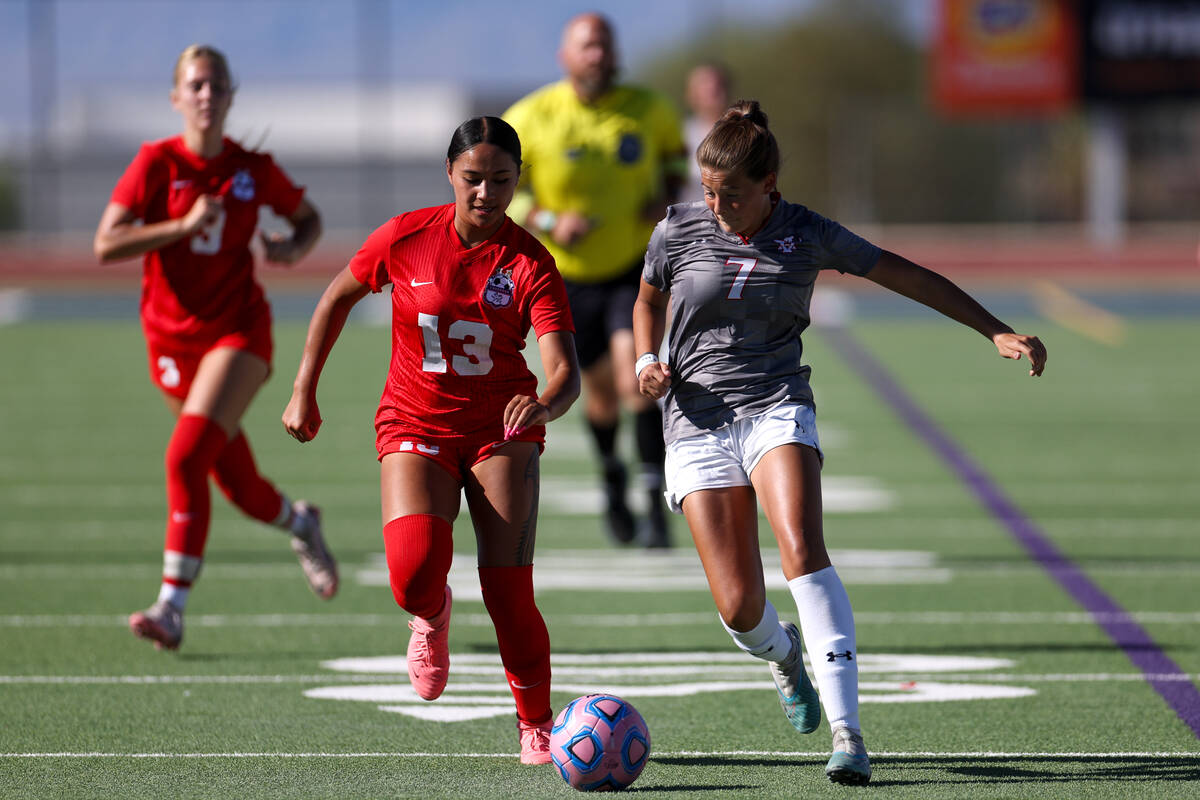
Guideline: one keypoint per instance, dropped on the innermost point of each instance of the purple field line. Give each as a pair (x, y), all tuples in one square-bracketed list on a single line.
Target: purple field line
[(1127, 634)]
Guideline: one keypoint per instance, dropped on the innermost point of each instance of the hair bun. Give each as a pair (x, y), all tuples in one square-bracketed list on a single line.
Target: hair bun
[(741, 142), (747, 110)]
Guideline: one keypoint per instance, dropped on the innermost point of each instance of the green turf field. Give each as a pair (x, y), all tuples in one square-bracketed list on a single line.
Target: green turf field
[(981, 677)]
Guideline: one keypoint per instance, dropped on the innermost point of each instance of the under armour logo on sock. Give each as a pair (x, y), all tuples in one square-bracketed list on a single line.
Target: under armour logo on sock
[(833, 657)]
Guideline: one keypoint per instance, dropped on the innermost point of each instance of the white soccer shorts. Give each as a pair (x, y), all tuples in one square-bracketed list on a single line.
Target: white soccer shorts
[(727, 456)]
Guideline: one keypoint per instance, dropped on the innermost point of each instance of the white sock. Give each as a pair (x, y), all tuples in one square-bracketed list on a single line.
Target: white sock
[(827, 624), (285, 513), (292, 522), (175, 595), (766, 640)]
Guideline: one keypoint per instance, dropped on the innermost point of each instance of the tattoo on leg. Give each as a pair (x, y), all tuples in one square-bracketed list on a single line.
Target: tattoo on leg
[(524, 551)]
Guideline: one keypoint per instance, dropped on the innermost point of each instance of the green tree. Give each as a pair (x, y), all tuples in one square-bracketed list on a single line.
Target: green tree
[(846, 91)]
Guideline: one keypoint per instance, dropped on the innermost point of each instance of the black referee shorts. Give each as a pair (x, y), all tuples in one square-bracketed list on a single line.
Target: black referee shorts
[(601, 309)]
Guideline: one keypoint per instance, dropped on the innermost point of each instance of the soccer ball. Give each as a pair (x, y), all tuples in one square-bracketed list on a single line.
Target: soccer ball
[(599, 743)]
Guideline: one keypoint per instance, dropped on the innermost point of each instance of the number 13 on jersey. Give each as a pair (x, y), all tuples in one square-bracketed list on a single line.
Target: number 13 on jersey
[(476, 342)]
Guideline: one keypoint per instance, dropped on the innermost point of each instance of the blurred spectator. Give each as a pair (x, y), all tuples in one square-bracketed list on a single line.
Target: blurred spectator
[(707, 97)]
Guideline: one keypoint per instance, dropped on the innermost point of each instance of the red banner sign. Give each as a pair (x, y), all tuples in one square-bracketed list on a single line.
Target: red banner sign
[(1005, 56)]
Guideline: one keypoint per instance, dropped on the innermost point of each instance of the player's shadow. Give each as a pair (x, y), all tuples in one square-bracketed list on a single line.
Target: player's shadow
[(714, 761), (688, 787), (1034, 769), (724, 761), (716, 411), (896, 770)]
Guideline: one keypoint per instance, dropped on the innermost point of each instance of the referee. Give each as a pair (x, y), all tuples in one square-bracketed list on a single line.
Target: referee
[(602, 161)]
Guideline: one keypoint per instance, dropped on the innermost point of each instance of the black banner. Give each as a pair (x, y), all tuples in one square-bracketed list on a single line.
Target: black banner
[(1140, 50)]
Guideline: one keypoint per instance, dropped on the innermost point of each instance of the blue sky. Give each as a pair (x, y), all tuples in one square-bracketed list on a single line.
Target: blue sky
[(508, 44)]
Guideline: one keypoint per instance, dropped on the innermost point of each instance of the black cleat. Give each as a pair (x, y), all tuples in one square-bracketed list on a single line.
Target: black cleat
[(656, 529), (617, 515)]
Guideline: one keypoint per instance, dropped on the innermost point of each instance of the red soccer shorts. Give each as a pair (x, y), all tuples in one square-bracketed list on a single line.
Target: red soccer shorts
[(455, 454), (173, 364)]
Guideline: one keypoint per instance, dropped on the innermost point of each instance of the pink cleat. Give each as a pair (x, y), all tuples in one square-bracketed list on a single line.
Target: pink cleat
[(535, 741), (429, 652), (161, 623)]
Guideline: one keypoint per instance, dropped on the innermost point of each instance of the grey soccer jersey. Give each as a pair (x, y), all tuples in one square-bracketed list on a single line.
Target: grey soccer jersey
[(739, 307)]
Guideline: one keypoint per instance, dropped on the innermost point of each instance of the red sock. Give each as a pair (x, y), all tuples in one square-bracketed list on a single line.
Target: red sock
[(419, 550), (193, 448), (522, 636), (238, 478)]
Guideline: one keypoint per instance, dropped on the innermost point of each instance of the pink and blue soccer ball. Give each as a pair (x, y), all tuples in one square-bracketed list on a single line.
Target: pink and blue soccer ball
[(600, 743)]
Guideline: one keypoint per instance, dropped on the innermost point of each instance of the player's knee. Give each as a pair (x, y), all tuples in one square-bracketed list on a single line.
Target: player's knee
[(803, 553), (602, 407), (241, 496), (419, 551), (741, 610), (229, 489), (631, 396), (419, 594), (194, 446)]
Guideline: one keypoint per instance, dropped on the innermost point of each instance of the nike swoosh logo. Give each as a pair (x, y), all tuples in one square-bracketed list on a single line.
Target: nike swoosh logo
[(415, 283), (516, 685)]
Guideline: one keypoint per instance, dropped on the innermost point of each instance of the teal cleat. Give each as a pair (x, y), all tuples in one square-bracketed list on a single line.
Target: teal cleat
[(849, 764), (796, 693)]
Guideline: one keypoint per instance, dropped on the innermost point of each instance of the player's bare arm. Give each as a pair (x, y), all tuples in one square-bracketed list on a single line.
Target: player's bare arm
[(306, 230), (118, 236), (941, 294), (649, 326), (557, 349), (302, 417)]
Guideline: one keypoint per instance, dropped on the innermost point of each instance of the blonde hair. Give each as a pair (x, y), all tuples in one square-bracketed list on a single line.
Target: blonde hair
[(741, 142), (195, 51)]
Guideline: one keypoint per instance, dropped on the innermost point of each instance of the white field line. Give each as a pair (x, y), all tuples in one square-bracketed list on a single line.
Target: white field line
[(81, 572), (606, 620), (569, 496), (753, 670), (990, 754), (550, 580), (913, 523)]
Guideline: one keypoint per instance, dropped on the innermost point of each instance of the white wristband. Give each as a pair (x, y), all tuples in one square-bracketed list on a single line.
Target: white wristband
[(645, 360), (545, 220)]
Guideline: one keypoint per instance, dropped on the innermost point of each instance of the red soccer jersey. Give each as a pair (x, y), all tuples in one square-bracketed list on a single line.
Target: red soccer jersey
[(203, 286), (460, 318)]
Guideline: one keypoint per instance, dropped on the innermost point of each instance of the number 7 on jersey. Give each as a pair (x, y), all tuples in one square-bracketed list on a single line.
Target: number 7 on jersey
[(745, 267)]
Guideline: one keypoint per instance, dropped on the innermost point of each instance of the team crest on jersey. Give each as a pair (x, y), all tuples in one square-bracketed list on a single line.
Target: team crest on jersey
[(630, 148), (787, 244), (498, 291), (242, 185)]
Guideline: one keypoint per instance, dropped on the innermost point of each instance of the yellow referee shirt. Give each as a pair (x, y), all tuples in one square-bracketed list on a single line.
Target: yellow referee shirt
[(605, 161)]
